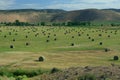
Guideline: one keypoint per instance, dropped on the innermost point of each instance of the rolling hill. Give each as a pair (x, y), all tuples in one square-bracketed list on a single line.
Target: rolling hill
[(57, 15)]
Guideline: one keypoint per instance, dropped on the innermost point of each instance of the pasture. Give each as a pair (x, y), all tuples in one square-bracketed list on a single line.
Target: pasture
[(61, 47)]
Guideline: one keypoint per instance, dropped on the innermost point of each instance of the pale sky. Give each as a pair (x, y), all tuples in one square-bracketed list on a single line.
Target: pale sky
[(59, 4)]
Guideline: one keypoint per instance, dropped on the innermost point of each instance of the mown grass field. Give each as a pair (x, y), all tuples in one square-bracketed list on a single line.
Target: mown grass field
[(62, 47)]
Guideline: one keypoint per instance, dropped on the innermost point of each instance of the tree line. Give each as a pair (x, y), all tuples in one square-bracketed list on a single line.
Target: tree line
[(18, 23), (69, 23)]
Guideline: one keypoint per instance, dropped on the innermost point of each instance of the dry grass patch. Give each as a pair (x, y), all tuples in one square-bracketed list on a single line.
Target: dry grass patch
[(60, 60)]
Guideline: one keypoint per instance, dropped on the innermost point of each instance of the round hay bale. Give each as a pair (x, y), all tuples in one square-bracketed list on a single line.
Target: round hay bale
[(5, 36), (72, 36), (72, 44), (115, 58), (13, 40), (11, 46), (47, 40), (41, 59), (100, 43), (93, 40), (109, 36), (106, 49), (89, 37), (54, 34), (100, 35), (26, 36), (79, 34), (27, 43), (55, 39)]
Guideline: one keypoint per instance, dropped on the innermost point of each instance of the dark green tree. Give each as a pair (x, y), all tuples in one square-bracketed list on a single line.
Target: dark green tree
[(42, 23)]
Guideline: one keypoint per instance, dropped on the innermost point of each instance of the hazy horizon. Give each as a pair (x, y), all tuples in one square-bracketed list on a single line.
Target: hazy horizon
[(59, 4)]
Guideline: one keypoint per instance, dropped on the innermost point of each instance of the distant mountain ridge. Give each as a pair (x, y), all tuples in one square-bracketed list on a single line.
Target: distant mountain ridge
[(117, 10), (35, 10), (58, 15)]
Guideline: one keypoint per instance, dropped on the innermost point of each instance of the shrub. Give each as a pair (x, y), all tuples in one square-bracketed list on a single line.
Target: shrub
[(87, 77), (41, 59), (103, 77), (5, 72), (54, 70), (27, 73), (115, 58), (19, 78)]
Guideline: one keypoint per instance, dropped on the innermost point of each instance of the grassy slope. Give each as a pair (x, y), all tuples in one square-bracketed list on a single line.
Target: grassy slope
[(34, 16)]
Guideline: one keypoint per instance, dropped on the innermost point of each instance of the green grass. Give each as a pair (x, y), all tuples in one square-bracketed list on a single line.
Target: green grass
[(20, 74), (59, 53), (38, 44)]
